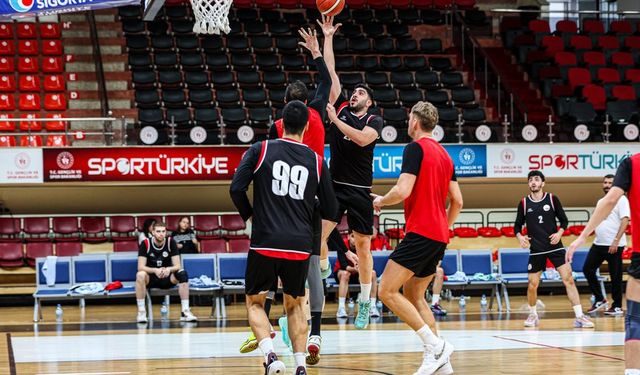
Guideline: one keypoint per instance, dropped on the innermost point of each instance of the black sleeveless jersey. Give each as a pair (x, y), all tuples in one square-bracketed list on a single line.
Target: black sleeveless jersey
[(287, 176), (158, 257), (540, 218)]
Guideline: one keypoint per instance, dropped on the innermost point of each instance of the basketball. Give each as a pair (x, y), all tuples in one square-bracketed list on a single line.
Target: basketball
[(330, 7)]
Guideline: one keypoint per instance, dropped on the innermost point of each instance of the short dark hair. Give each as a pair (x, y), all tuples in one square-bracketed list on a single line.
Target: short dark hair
[(365, 88), (148, 223), (295, 116), (535, 173), (609, 176), (296, 91)]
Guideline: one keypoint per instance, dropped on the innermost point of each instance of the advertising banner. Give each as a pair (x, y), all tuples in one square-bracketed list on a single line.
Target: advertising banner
[(141, 164), (20, 165), (557, 160), (32, 8)]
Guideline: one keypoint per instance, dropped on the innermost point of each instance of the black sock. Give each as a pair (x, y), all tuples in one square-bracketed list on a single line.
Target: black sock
[(267, 306), (316, 321)]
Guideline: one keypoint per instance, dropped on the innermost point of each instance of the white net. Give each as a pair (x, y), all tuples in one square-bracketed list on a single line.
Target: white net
[(211, 16)]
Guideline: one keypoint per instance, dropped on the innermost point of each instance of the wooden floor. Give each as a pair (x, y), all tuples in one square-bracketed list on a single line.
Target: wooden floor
[(486, 343)]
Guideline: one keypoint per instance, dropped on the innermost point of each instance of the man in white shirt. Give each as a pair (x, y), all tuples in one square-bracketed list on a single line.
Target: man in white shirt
[(608, 245)]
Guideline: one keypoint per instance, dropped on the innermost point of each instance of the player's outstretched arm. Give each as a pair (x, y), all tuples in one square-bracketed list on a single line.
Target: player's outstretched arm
[(329, 29), (241, 180), (455, 202)]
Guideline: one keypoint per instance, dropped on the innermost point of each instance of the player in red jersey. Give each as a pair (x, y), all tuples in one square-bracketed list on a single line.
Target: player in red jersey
[(627, 180), (426, 180)]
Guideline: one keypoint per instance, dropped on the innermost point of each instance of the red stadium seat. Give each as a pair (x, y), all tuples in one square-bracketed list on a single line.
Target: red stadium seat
[(465, 232), (11, 255), (620, 27), (395, 233), (52, 65), (489, 232), (579, 77), (575, 230), (213, 246), (621, 59), (143, 218), (122, 227), (608, 75), (206, 226), (66, 229), (239, 245), (7, 83), (595, 95), (7, 102), (29, 102), (539, 26), (581, 42), (58, 140), (552, 44), (7, 65), (288, 4), (172, 221), (125, 245), (28, 65), (52, 47), (465, 4), (508, 231), (594, 58), (233, 223), (265, 4), (54, 83), (632, 42), (608, 42), (442, 4), (566, 58), (623, 92), (7, 141), (381, 4), (55, 126), (567, 26), (68, 249), (37, 250), (7, 126), (632, 75), (451, 233), (34, 126), (356, 4), (29, 83), (6, 30), (243, 3), (591, 26), (399, 4), (26, 30), (308, 4), (94, 229), (50, 31), (9, 229), (28, 47), (7, 48), (31, 141), (422, 4), (55, 102)]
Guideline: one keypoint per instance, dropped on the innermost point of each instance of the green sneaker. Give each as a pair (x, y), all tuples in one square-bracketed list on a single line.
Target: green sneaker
[(284, 332), (362, 319), (250, 344)]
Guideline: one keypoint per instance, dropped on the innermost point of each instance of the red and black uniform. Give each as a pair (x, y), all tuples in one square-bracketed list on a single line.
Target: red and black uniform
[(159, 257), (424, 210), (628, 179), (287, 176)]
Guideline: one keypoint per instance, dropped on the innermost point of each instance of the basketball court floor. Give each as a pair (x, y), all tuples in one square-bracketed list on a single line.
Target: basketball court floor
[(105, 340)]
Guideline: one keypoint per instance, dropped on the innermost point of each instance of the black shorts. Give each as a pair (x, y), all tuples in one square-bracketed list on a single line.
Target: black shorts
[(538, 262), (634, 267), (358, 205), (155, 282), (419, 254), (262, 274)]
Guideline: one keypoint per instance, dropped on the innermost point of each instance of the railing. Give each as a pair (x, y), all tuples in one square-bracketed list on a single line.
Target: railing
[(97, 58), (108, 131)]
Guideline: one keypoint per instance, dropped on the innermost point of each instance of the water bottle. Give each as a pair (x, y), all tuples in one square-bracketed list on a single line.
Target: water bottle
[(483, 303), (58, 312), (164, 311), (593, 299), (351, 305), (379, 306), (463, 303)]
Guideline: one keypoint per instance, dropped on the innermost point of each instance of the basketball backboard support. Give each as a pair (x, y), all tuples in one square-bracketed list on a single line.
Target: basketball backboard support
[(151, 8)]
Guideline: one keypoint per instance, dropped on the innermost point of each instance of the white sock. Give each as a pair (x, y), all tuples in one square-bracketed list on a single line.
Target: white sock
[(533, 310), (185, 304), (300, 359), (141, 305), (341, 302), (365, 292), (435, 299), (266, 346), (373, 301), (324, 264), (632, 371), (427, 336), (578, 310)]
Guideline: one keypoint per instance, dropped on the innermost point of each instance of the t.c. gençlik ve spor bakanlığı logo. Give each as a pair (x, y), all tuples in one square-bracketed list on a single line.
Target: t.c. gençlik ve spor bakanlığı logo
[(467, 156), (22, 6)]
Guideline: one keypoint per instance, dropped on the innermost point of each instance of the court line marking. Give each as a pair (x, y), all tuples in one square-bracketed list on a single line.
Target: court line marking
[(12, 359), (560, 348), (85, 373), (315, 367)]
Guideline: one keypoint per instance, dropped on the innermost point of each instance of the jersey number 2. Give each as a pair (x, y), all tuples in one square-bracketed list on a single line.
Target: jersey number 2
[(289, 180), (540, 221)]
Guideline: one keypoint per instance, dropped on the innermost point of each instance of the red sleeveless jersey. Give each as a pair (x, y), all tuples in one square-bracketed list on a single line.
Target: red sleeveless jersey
[(634, 202), (424, 211), (314, 136)]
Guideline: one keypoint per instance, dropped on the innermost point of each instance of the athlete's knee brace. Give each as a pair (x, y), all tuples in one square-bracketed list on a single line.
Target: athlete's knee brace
[(632, 321), (182, 276)]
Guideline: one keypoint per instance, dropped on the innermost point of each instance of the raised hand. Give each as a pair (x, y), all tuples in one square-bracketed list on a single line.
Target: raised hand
[(328, 28), (310, 42)]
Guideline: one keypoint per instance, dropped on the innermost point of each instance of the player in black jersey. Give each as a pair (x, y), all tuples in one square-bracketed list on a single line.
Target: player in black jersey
[(539, 211), (352, 139), (159, 267), (287, 177)]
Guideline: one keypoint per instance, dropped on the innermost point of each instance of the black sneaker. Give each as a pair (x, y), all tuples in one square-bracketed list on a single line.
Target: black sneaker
[(614, 311), (438, 310), (273, 366), (301, 370), (599, 305)]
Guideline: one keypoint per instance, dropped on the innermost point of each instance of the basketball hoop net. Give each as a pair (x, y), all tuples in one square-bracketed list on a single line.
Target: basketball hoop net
[(211, 16)]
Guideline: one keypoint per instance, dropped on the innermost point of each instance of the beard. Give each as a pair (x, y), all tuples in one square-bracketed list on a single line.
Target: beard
[(606, 190), (534, 189), (356, 108)]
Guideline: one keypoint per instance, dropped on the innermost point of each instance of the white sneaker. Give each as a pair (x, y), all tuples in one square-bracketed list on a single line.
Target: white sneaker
[(445, 369), (532, 321), (583, 322), (342, 313), (142, 317), (435, 357), (187, 316), (374, 313)]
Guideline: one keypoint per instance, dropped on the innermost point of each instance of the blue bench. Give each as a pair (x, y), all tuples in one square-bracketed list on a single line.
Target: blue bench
[(59, 290), (481, 261)]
